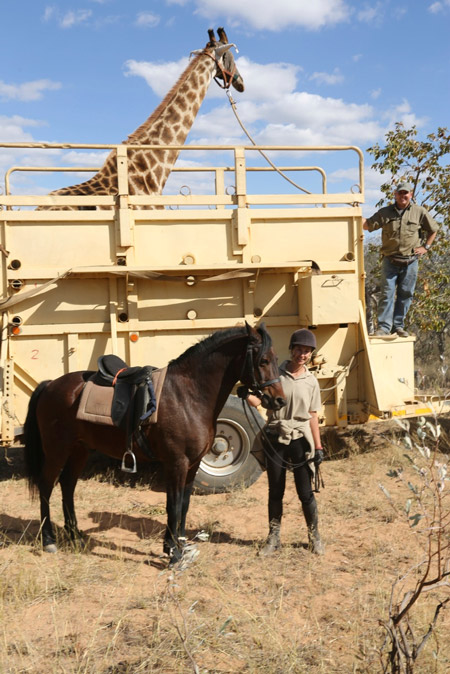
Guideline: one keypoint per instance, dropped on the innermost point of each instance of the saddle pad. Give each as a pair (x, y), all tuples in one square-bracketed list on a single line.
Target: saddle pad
[(158, 377), (95, 404), (96, 401)]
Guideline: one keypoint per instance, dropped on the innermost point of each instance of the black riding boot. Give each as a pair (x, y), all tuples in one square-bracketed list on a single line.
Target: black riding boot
[(312, 520), (273, 542)]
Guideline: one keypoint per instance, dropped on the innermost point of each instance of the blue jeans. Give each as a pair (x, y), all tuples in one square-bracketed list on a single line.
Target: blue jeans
[(397, 291)]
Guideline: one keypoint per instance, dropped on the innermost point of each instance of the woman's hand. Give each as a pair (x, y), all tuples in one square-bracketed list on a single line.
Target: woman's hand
[(319, 456)]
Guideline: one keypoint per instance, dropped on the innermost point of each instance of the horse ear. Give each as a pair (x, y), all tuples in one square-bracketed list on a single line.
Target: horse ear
[(252, 333)]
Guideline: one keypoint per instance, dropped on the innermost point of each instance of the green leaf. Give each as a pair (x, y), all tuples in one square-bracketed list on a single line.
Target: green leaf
[(421, 433), (407, 441), (415, 519), (413, 488), (384, 490), (403, 423)]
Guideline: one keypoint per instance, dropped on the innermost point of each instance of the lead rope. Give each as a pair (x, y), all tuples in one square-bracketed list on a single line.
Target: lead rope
[(281, 463), (263, 154)]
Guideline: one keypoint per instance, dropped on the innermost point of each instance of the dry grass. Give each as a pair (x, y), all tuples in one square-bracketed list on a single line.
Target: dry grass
[(114, 608)]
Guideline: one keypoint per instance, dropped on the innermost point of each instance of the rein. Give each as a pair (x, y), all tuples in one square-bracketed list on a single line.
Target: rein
[(281, 463)]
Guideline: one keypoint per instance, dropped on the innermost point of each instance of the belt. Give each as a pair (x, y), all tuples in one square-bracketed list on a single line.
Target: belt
[(402, 260)]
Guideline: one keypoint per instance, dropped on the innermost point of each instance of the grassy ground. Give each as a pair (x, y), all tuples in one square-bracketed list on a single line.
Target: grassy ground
[(115, 608)]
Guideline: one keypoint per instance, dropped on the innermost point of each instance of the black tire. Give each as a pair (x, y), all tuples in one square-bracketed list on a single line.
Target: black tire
[(230, 462)]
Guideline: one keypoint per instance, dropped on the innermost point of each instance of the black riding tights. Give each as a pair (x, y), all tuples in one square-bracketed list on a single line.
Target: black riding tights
[(277, 462)]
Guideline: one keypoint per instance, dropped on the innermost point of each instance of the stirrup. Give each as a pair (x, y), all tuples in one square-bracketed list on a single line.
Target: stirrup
[(124, 467)]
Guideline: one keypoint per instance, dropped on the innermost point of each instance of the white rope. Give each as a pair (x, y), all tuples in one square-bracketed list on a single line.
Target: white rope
[(283, 175)]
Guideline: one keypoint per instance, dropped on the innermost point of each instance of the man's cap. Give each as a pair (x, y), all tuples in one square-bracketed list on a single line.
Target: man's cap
[(404, 187)]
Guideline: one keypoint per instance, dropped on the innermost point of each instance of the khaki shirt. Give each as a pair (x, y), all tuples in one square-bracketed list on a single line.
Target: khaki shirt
[(302, 397), (401, 230)]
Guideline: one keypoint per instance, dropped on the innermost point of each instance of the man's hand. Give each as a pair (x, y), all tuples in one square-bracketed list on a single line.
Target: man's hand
[(421, 250)]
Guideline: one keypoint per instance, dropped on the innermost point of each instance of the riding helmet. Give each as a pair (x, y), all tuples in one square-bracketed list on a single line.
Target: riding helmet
[(303, 337)]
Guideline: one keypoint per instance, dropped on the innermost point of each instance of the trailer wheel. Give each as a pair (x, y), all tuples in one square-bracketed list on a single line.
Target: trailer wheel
[(230, 463)]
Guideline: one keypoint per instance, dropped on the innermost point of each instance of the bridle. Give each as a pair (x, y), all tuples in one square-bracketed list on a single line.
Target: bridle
[(248, 369), (227, 75)]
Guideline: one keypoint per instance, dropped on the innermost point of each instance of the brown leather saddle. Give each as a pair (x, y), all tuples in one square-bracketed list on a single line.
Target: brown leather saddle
[(134, 397)]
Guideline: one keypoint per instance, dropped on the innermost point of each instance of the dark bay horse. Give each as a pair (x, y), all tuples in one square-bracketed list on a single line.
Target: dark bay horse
[(196, 387)]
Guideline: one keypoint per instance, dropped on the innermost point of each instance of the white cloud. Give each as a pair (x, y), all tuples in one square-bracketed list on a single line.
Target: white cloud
[(49, 12), (28, 91), (296, 118), (12, 129), (375, 93), (160, 77), (92, 158), (147, 20), (266, 81), (370, 13), (437, 7), (72, 18), (67, 19), (278, 15), (335, 77), (402, 113)]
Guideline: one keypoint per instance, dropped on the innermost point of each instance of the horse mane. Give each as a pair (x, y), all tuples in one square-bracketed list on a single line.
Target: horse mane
[(214, 341)]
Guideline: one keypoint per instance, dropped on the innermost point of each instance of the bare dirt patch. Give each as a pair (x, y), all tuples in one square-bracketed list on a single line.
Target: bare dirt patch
[(114, 608)]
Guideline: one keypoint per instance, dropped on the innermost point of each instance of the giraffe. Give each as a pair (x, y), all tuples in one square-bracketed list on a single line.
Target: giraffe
[(170, 123)]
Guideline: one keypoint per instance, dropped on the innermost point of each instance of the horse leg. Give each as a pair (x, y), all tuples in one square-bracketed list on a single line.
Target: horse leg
[(174, 507), (186, 500), (45, 485), (68, 480)]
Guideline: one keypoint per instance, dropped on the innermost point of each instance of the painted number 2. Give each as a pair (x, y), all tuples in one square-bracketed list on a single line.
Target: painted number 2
[(35, 354)]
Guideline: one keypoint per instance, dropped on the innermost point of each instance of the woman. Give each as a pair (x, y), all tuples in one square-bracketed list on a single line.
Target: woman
[(294, 437)]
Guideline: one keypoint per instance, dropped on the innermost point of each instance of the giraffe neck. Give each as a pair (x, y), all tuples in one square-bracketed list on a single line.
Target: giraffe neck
[(170, 123)]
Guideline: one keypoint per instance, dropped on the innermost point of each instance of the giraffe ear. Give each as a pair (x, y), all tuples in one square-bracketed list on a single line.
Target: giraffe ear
[(223, 48)]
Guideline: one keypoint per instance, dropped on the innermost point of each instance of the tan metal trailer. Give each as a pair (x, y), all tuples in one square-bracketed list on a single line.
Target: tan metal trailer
[(146, 277)]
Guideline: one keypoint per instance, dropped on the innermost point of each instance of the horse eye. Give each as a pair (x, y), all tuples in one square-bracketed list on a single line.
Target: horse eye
[(264, 361)]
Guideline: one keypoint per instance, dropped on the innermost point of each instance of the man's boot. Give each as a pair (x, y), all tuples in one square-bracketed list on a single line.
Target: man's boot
[(273, 542), (312, 520)]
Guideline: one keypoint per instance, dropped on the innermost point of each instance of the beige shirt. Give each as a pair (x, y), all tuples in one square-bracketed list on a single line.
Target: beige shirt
[(302, 397), (401, 230)]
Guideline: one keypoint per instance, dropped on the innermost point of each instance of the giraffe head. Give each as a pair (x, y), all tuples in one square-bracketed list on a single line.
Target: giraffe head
[(226, 69)]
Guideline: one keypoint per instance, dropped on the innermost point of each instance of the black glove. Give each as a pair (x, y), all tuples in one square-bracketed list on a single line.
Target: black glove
[(242, 392), (318, 457)]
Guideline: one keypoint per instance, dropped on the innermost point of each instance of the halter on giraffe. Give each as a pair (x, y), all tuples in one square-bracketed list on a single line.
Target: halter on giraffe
[(170, 123)]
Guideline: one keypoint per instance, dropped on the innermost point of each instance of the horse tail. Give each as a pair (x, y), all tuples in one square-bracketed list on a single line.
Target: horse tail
[(33, 453)]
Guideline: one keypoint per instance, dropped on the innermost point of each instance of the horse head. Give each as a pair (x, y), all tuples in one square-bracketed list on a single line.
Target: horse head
[(261, 369)]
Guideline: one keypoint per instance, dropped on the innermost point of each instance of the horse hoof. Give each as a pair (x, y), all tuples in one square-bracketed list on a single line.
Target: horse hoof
[(50, 547), (188, 556)]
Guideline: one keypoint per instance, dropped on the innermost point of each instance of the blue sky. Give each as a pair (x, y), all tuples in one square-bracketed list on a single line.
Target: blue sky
[(316, 72)]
